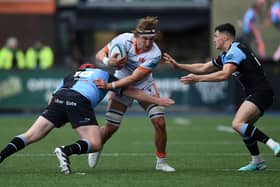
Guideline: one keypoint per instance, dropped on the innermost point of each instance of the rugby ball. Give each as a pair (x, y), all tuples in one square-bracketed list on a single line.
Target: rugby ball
[(117, 49)]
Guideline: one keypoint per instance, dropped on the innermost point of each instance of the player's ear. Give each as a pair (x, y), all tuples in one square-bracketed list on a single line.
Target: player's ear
[(225, 38)]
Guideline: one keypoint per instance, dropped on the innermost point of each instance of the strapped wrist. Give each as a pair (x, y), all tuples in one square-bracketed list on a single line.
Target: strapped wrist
[(113, 84)]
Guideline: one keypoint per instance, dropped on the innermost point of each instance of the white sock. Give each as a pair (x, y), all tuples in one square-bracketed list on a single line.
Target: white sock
[(271, 143), (160, 160), (256, 159)]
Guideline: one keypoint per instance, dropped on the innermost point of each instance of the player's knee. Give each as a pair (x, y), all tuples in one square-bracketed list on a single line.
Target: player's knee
[(96, 146), (236, 125), (159, 122), (159, 125), (114, 117)]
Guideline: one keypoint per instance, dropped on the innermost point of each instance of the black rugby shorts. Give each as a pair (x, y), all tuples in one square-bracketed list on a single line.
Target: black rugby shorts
[(70, 106), (263, 99)]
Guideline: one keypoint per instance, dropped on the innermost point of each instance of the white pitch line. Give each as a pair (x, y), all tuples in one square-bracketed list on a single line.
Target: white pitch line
[(192, 143), (80, 173), (224, 128), (182, 121)]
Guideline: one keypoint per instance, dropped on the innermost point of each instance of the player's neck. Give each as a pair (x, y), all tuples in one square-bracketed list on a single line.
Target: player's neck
[(227, 45)]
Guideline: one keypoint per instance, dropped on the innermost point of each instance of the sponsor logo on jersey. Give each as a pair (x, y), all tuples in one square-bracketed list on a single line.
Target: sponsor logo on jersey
[(71, 103), (229, 56)]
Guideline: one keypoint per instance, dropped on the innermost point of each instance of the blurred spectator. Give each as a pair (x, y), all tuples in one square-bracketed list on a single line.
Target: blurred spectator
[(276, 54), (10, 56), (250, 30), (275, 20), (275, 13), (39, 56)]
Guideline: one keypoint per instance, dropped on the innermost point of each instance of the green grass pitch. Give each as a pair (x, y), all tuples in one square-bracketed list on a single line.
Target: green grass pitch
[(203, 149)]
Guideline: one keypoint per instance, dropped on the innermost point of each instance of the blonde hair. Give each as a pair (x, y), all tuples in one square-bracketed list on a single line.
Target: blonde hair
[(146, 24)]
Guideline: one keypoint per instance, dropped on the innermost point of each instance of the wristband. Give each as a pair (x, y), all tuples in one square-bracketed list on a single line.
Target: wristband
[(113, 85), (105, 61)]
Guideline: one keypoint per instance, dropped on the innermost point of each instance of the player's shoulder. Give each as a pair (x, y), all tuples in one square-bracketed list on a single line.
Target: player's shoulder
[(155, 51), (126, 36), (235, 51), (236, 47), (123, 39)]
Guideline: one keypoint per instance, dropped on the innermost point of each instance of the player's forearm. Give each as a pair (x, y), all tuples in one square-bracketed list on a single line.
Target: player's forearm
[(122, 83), (144, 97), (139, 95), (193, 68), (136, 76), (214, 77)]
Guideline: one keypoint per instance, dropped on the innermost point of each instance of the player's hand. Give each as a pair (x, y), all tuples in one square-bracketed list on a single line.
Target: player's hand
[(189, 79), (100, 83), (156, 94), (116, 61), (121, 62), (111, 95), (164, 101), (168, 59)]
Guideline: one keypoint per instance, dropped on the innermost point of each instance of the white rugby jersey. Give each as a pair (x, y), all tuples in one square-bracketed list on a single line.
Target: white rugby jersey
[(146, 61)]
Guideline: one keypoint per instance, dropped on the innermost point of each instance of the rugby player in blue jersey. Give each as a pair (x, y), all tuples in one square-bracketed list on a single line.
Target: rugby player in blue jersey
[(240, 62), (74, 101)]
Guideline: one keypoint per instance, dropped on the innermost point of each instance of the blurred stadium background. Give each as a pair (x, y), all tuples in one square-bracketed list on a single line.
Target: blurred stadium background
[(201, 145), (76, 29)]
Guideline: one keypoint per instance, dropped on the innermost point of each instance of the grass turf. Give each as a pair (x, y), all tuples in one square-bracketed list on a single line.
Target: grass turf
[(202, 154)]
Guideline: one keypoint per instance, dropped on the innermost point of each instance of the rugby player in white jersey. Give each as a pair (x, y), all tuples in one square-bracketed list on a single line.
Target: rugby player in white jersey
[(143, 55)]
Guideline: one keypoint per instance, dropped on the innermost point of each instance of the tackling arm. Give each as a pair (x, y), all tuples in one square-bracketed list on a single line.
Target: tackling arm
[(218, 76), (142, 96), (199, 68), (137, 75)]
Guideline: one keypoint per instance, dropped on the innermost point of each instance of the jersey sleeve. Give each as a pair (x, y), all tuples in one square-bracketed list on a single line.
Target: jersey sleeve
[(150, 64), (234, 56), (58, 87)]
